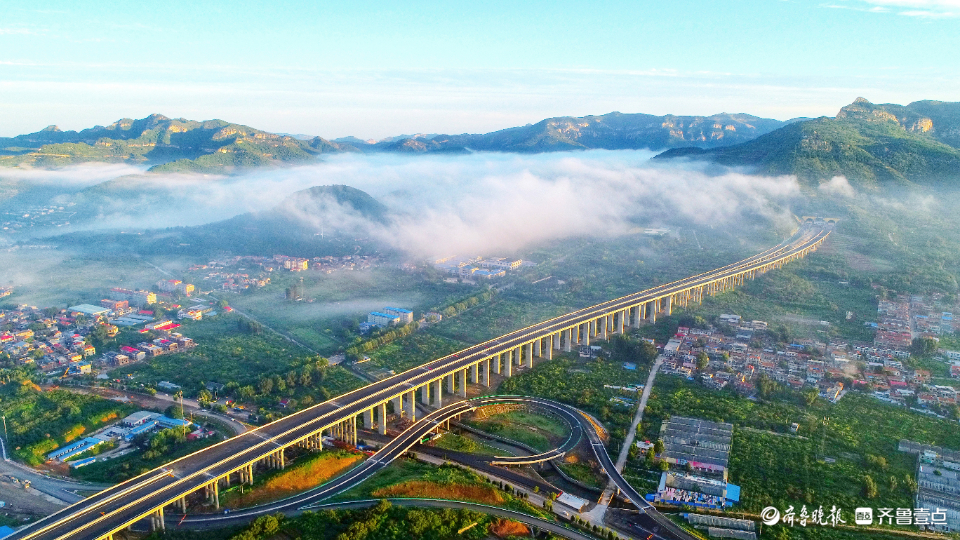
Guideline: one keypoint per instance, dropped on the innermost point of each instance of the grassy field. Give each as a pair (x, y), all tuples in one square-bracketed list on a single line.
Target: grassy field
[(307, 472), (459, 443), (583, 472), (536, 430)]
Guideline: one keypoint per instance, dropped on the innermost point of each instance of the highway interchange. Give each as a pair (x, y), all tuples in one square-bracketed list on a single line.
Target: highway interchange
[(113, 509)]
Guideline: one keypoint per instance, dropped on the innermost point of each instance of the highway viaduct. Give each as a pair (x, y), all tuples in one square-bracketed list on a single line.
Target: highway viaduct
[(234, 460)]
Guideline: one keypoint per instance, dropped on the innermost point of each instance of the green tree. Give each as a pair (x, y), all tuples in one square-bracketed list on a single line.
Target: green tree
[(702, 360), (869, 487)]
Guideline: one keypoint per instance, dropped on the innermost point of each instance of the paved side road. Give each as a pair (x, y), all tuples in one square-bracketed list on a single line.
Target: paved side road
[(542, 524)]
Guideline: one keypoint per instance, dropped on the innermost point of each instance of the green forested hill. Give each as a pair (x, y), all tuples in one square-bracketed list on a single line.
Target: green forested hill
[(869, 144), (168, 144)]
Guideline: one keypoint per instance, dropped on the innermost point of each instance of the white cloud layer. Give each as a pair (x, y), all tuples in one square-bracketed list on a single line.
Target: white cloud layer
[(481, 203)]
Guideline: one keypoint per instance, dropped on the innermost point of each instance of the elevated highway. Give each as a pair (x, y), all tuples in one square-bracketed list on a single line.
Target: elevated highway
[(203, 472)]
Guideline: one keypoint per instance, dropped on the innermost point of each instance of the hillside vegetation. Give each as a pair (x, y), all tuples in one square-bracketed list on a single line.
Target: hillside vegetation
[(867, 143)]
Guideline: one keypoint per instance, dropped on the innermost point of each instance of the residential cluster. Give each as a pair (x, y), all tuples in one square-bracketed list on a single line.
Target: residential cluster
[(743, 353), (740, 359), (58, 341), (37, 216), (5, 291), (54, 341), (475, 266)]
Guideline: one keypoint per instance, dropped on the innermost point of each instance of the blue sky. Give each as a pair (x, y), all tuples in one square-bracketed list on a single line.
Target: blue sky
[(374, 69)]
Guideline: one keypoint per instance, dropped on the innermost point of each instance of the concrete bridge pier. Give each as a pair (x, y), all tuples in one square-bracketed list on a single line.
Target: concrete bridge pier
[(496, 362), (604, 327), (450, 384), (397, 410), (437, 393), (556, 337), (367, 420), (425, 394), (668, 310), (475, 373), (585, 327), (549, 347), (383, 413), (566, 339), (412, 409), (156, 520), (463, 383), (651, 310), (508, 364), (485, 372), (528, 354)]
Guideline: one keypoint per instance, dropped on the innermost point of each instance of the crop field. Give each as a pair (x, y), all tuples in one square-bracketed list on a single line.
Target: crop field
[(307, 472)]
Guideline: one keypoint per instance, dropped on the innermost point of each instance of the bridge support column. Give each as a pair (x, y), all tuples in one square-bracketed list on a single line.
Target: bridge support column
[(518, 355), (528, 354), (606, 325), (425, 394), (450, 383), (383, 416), (412, 410), (508, 364), (651, 310), (215, 486), (637, 315), (586, 334), (368, 418), (437, 393), (669, 308), (537, 346), (397, 406), (475, 373), (556, 340), (463, 383), (566, 339), (485, 366), (549, 347), (182, 501), (495, 360)]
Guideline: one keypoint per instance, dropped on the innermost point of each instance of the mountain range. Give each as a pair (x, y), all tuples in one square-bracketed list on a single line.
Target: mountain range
[(870, 144), (168, 144)]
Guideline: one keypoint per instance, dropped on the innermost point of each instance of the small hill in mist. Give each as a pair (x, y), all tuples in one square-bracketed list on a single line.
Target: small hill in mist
[(322, 220), (167, 144), (613, 131), (870, 144)]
